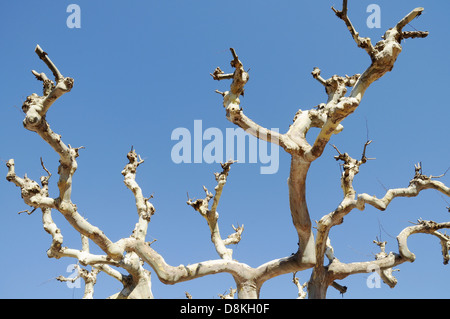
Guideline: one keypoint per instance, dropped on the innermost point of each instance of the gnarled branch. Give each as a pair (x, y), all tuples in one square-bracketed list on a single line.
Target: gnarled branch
[(145, 209)]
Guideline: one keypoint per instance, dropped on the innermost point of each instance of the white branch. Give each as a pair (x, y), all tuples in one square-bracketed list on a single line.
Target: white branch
[(144, 208), (211, 215), (417, 184), (301, 288), (35, 108), (426, 227)]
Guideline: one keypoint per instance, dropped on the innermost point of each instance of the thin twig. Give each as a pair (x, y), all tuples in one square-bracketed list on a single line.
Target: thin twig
[(27, 211), (45, 169), (431, 176)]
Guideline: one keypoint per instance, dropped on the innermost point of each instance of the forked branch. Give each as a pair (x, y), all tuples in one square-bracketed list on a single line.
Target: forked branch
[(231, 102), (364, 43)]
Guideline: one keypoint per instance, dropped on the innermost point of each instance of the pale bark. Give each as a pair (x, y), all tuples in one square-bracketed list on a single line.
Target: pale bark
[(386, 261), (212, 216), (131, 253), (144, 208)]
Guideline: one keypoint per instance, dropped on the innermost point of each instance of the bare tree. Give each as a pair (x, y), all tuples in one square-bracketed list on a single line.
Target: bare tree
[(132, 253)]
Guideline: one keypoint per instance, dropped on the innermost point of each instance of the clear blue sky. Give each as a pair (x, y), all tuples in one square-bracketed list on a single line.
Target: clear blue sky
[(141, 70)]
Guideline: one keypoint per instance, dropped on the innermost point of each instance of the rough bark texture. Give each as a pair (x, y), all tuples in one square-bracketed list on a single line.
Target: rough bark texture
[(131, 253)]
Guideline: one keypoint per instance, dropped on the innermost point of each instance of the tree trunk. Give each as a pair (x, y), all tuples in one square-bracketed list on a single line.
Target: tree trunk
[(299, 209)]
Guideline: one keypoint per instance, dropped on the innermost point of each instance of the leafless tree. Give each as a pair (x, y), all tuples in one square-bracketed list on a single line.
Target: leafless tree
[(124, 259)]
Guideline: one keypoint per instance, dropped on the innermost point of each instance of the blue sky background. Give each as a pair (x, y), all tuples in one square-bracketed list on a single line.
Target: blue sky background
[(141, 70)]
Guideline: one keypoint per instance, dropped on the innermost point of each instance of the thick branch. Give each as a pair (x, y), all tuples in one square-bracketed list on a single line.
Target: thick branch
[(339, 270), (299, 210), (246, 277)]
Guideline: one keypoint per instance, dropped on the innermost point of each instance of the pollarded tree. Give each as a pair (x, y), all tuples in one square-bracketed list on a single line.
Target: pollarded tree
[(124, 259)]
